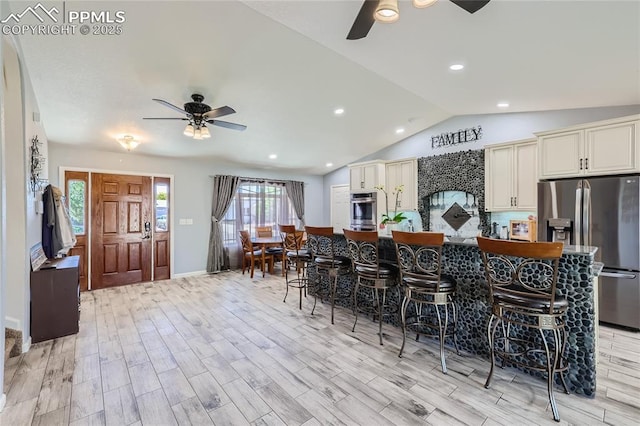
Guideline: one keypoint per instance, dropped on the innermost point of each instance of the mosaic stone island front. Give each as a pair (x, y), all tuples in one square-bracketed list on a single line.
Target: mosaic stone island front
[(463, 262)]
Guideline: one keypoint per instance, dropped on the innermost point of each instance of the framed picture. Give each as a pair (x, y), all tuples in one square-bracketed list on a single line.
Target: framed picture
[(523, 230)]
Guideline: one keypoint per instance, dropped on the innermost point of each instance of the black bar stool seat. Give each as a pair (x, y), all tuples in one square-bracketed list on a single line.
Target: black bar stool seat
[(446, 284)]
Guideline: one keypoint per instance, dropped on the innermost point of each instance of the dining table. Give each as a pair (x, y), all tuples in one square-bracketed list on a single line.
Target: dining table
[(265, 243)]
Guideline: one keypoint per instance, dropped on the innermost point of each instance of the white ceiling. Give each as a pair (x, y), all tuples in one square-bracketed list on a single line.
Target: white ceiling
[(285, 65)]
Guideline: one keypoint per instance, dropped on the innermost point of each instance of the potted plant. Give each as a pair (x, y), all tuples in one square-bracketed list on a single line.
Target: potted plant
[(397, 217)]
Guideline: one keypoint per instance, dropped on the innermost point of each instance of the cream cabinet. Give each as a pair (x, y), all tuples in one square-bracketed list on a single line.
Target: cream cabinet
[(403, 172), (511, 176), (364, 177), (603, 148)]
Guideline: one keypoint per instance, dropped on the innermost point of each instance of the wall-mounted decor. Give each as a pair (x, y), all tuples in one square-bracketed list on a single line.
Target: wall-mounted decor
[(36, 162), (471, 134)]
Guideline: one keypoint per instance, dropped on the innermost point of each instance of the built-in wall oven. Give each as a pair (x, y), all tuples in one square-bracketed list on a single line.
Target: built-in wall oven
[(363, 211)]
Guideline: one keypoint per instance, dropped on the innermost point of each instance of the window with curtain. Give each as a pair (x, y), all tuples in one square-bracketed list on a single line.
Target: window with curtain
[(257, 204)]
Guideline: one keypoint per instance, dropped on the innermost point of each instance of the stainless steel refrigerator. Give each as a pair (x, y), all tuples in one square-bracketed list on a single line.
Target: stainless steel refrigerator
[(602, 212)]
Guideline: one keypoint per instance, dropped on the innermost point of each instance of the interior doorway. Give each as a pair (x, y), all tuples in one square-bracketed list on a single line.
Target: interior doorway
[(122, 224)]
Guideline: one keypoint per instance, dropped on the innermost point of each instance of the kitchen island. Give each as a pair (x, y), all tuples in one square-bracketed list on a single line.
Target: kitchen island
[(576, 281)]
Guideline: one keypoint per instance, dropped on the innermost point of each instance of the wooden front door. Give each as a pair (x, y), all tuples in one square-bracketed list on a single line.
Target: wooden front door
[(121, 219), (77, 197)]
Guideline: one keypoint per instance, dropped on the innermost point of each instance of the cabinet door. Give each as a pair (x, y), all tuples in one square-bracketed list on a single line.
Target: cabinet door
[(393, 176), (403, 173), (611, 149), (526, 176), (356, 178), (370, 176), (499, 172), (560, 155)]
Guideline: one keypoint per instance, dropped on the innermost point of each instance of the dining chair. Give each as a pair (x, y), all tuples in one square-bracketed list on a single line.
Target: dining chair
[(277, 252), (249, 254), (264, 231)]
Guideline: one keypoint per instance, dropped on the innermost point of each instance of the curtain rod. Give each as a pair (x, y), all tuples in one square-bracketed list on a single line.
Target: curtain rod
[(254, 179)]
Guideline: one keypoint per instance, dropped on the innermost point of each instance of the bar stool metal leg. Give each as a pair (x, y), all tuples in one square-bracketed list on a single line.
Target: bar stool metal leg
[(355, 304), (403, 318)]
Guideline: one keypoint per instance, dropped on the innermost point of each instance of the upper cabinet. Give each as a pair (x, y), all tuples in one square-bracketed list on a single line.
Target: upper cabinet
[(511, 176), (403, 172), (602, 148), (364, 177)]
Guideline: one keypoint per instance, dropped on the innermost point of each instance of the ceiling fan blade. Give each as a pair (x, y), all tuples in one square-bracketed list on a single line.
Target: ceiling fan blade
[(165, 118), (364, 21), (471, 6), (167, 104), (218, 112), (228, 125)]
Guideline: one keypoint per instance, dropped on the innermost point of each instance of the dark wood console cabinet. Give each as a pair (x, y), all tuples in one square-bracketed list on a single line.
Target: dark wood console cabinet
[(55, 296)]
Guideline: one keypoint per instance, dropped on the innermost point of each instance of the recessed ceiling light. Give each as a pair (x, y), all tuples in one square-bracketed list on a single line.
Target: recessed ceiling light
[(503, 104), (338, 111), (273, 156), (456, 67), (329, 164), (400, 130)]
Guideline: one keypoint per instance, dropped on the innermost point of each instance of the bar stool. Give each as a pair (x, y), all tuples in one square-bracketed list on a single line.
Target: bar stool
[(321, 244), (295, 256), (522, 280), (372, 274), (431, 292)]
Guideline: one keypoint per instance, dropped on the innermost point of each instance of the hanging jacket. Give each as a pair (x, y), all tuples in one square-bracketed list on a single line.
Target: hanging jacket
[(50, 244), (64, 227)]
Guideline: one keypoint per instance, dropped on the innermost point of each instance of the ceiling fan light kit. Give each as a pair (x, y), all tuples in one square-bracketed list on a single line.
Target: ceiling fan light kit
[(387, 11), (197, 114), (189, 130), (423, 3)]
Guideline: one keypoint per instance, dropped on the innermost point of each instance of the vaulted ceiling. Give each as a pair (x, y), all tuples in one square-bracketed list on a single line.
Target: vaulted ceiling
[(284, 66)]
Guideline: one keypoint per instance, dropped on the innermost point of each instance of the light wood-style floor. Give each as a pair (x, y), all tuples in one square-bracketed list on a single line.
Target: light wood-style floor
[(224, 349)]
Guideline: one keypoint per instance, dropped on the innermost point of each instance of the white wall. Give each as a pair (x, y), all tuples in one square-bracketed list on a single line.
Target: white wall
[(3, 242), (496, 128), (24, 225), (193, 187)]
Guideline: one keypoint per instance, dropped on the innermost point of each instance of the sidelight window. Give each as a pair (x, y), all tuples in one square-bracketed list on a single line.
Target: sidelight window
[(77, 202), (161, 206)]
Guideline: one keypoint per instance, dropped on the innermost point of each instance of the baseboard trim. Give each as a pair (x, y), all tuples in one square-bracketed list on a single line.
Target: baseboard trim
[(189, 274), (3, 401), (26, 345), (14, 323)]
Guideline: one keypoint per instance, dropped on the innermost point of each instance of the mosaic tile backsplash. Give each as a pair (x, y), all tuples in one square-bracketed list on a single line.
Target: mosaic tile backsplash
[(456, 177), (454, 213)]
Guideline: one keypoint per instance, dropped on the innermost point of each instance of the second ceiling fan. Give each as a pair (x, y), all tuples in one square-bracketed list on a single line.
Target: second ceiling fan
[(387, 11)]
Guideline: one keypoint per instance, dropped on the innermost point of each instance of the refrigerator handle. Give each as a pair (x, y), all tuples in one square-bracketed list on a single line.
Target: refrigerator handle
[(586, 212), (577, 231)]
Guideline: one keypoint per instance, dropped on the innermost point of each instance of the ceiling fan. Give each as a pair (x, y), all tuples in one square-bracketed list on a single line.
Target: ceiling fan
[(387, 11), (198, 114)]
